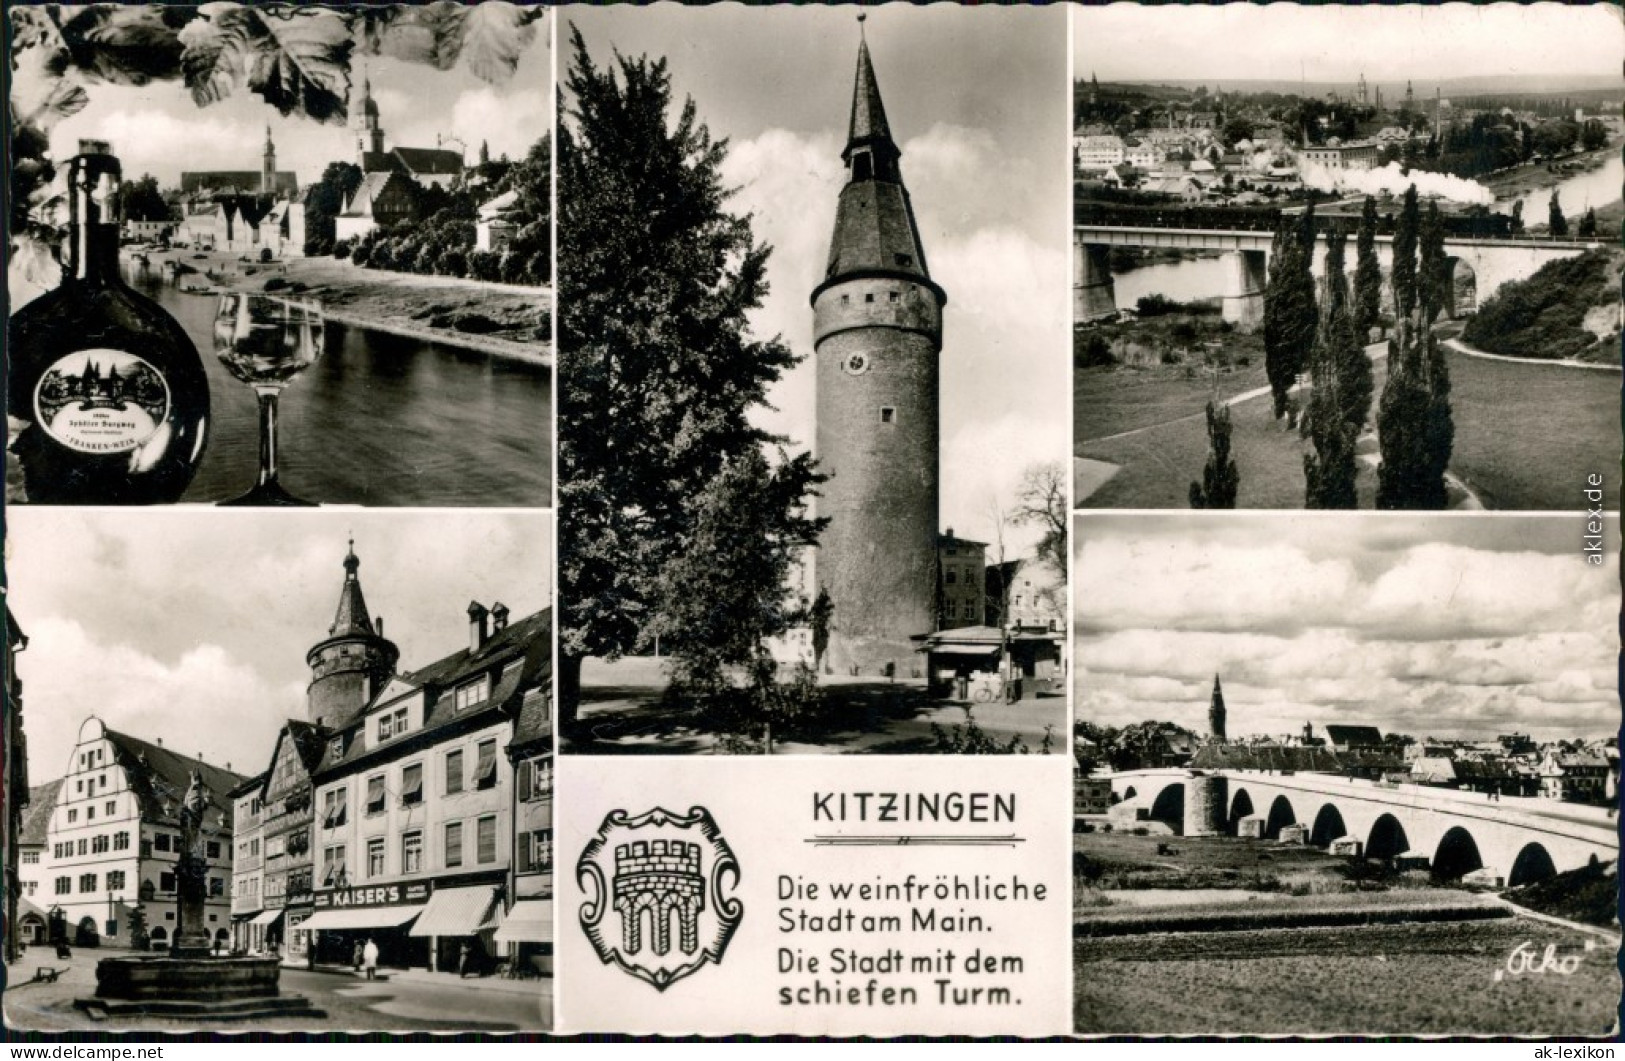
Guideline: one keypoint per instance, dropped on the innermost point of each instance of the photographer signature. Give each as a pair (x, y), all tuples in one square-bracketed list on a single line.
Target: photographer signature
[(1526, 961)]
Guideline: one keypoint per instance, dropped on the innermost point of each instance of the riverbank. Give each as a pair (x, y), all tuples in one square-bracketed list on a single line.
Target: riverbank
[(501, 320), (1520, 180)]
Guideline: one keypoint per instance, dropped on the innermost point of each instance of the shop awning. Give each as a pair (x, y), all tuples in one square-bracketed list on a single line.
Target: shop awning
[(364, 917), (266, 917), (457, 912), (963, 650), (530, 921)]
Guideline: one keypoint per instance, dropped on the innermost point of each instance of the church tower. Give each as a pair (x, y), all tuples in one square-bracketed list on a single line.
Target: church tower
[(354, 663), (268, 166), (369, 134), (877, 332), (1215, 712)]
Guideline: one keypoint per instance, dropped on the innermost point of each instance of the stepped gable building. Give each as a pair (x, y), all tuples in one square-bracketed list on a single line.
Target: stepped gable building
[(114, 838), (877, 334)]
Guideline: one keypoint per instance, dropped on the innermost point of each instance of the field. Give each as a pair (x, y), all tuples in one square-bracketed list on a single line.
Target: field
[(1526, 436), (1412, 979)]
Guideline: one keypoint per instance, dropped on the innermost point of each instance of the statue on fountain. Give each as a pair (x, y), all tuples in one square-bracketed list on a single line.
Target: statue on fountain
[(192, 937)]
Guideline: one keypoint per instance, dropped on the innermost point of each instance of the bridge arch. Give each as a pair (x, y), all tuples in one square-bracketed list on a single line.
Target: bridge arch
[(1129, 793), (1169, 807), (1386, 839), (1457, 855), (1461, 287), (1328, 826), (1281, 816), (1241, 806), (1533, 863)]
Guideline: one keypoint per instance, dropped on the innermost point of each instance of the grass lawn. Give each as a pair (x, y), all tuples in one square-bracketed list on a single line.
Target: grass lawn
[(1107, 401), (1414, 979), (1527, 435)]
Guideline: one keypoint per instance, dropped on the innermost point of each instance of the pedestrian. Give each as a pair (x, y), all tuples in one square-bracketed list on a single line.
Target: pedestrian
[(369, 958), (356, 957), (462, 960)]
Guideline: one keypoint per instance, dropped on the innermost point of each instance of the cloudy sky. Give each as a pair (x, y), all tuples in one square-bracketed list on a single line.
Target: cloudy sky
[(192, 624), (977, 101), (1426, 625), (158, 129), (1333, 42)]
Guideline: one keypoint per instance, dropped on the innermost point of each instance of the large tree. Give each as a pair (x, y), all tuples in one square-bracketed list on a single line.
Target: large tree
[(658, 369), (1340, 394), (1041, 500), (1415, 426), (1367, 274), (1220, 479), (1290, 316), (1556, 223)]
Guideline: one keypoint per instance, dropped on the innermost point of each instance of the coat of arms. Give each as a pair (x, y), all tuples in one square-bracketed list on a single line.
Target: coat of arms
[(659, 893)]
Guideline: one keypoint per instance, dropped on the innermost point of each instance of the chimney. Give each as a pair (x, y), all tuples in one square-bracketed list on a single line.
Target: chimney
[(499, 617), (378, 626), (477, 629), (160, 742)]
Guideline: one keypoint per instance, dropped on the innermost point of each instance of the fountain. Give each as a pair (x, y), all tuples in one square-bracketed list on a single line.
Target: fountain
[(190, 983)]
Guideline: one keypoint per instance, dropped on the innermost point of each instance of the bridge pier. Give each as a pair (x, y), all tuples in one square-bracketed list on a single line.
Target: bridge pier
[(1093, 295), (1244, 280)]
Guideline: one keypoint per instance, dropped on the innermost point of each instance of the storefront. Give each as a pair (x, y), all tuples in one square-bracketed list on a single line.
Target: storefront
[(345, 918), (252, 933), (459, 925), (527, 932)]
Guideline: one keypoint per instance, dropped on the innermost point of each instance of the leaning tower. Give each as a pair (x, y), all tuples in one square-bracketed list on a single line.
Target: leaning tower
[(354, 662), (877, 332)]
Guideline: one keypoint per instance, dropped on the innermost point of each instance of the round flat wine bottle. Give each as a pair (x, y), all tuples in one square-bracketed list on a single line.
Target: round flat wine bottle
[(109, 388)]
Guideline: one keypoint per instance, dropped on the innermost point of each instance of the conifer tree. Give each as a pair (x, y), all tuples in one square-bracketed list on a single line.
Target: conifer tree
[(1367, 274), (1588, 224), (1289, 306), (1337, 403), (1555, 221), (1220, 480)]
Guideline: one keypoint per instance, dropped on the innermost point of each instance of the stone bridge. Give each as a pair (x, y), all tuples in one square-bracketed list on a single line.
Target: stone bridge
[(1454, 832), (1478, 266)]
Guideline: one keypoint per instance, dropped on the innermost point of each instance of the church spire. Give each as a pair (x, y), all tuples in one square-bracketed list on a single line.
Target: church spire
[(1216, 712), (352, 617), (868, 124)]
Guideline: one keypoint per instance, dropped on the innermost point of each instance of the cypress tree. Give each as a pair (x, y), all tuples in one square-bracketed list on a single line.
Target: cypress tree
[(1290, 316), (1555, 221), (1367, 274), (1220, 479), (1334, 426), (1588, 224), (1403, 275)]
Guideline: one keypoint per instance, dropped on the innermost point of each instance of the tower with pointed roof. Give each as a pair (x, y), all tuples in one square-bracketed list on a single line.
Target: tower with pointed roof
[(354, 661), (369, 134), (268, 166), (877, 333), (1215, 711)]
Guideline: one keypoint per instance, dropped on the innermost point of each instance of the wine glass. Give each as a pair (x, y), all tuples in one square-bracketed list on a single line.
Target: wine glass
[(265, 342)]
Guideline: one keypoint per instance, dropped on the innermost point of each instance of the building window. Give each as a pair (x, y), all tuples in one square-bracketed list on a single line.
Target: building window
[(951, 576), (64, 885), (337, 749), (275, 846), (485, 769), (111, 808), (888, 415), (217, 887), (335, 807), (30, 858), (81, 847), (160, 841), (333, 873), (375, 794), (87, 882), (392, 724), (454, 844), (412, 852), (375, 857), (253, 847), (474, 692), (166, 881), (893, 297), (73, 815), (79, 785), (212, 849), (412, 785), (485, 840), (535, 779), (90, 814), (99, 845), (869, 297), (454, 771)]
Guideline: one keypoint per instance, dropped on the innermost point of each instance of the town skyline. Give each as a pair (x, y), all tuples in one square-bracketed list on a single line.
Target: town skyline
[(1328, 44), (227, 667), (986, 173), (158, 129), (1423, 625)]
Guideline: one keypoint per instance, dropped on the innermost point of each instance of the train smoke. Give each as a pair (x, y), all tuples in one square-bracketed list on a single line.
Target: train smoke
[(1394, 181)]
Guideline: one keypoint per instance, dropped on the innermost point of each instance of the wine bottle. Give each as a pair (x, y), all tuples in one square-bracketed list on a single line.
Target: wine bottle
[(109, 388)]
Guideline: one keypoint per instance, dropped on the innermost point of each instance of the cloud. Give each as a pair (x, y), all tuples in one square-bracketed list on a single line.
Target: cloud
[(160, 143)]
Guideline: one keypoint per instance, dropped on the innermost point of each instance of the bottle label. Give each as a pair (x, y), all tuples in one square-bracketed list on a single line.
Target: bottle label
[(101, 401)]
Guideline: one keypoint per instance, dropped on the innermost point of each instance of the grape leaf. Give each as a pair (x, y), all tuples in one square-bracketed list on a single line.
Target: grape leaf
[(298, 59), (40, 98), (495, 34), (33, 27), (490, 37), (123, 44)]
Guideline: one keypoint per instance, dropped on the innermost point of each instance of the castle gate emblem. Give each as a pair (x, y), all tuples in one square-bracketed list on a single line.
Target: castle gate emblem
[(659, 893)]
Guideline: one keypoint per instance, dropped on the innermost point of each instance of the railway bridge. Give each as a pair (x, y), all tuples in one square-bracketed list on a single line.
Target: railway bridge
[(1521, 840), (1481, 254)]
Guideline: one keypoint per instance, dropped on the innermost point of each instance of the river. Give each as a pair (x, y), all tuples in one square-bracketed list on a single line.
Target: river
[(1204, 277), (379, 420)]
